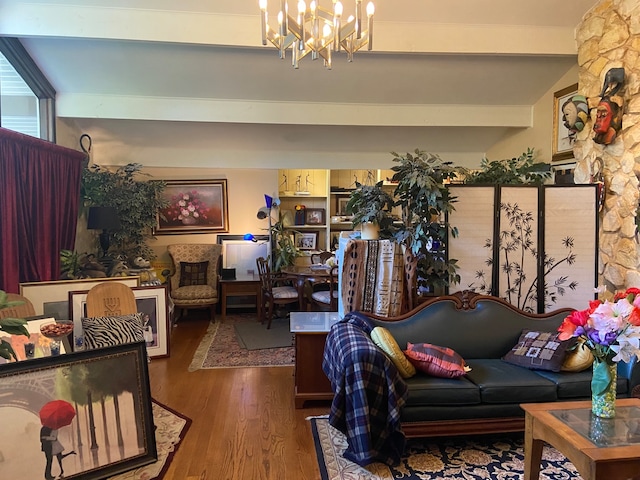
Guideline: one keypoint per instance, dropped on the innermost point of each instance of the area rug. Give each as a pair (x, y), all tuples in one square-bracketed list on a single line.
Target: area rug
[(482, 457), (171, 428), (254, 335), (219, 348)]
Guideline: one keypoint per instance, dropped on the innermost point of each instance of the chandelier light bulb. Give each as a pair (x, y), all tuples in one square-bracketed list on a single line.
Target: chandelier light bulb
[(262, 4), (370, 9), (302, 7), (338, 8)]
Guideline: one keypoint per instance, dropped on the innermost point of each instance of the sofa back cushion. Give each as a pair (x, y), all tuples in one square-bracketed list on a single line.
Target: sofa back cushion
[(489, 330)]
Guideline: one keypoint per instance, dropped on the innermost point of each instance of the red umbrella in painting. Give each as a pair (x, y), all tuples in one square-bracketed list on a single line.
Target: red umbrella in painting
[(56, 414)]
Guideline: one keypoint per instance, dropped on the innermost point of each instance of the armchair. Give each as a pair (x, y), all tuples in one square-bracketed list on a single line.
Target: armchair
[(193, 282)]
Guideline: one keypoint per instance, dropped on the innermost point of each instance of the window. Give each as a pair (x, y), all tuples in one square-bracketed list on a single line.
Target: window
[(27, 99)]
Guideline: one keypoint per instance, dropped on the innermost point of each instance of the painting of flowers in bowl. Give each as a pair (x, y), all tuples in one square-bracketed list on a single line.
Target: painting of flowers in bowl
[(194, 206)]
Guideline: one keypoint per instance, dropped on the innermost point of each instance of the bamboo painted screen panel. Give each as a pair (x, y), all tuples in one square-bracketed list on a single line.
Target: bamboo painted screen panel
[(570, 244), (474, 218), (518, 247)]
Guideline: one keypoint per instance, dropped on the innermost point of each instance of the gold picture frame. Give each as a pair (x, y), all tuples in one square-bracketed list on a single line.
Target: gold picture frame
[(562, 144)]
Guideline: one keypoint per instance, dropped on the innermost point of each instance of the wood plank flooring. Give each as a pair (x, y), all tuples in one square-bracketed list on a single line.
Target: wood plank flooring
[(245, 425)]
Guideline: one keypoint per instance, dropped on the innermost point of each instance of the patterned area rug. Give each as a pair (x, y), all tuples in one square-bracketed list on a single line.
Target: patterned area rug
[(471, 458), (219, 348), (171, 428)]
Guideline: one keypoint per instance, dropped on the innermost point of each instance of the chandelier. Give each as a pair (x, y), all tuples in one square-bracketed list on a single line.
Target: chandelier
[(318, 31)]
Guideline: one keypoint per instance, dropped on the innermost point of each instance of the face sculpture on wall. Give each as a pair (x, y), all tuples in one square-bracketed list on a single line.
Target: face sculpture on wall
[(575, 113), (608, 121)]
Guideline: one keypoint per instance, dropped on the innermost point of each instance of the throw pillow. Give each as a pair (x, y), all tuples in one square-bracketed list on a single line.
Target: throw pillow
[(102, 332), (437, 361), (577, 358), (538, 351), (383, 339), (193, 273)]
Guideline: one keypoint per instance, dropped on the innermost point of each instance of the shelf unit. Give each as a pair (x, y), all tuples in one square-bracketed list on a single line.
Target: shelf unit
[(325, 189)]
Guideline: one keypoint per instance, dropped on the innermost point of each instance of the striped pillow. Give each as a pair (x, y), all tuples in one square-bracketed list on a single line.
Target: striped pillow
[(435, 360), (102, 332)]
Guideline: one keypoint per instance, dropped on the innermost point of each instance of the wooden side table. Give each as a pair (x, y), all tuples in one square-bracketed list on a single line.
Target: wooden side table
[(311, 329), (240, 287), (599, 448)]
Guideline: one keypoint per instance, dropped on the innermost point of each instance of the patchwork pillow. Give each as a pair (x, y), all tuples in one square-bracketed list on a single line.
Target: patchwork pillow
[(539, 351), (436, 361), (102, 332), (193, 273), (383, 339), (577, 358)]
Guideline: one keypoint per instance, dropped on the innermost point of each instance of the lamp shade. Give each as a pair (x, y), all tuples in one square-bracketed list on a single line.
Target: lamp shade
[(103, 218)]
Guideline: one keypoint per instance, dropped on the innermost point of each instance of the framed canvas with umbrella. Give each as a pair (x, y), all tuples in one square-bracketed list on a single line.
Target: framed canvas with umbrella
[(79, 407)]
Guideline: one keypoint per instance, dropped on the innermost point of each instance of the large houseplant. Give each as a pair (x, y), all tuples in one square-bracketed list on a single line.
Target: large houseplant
[(511, 171), (136, 200), (371, 204), (423, 197)]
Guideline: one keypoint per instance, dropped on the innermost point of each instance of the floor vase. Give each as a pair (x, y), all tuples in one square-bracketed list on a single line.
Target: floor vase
[(603, 389)]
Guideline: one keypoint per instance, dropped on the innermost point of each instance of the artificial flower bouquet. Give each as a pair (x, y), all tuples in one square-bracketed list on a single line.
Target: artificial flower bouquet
[(611, 330), (187, 204)]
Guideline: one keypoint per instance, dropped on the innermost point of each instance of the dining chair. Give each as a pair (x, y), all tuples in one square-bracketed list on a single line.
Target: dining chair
[(110, 299), (320, 257), (276, 290), (25, 309), (327, 300)]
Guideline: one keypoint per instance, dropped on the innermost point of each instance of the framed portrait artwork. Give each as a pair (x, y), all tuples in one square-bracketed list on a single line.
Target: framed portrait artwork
[(306, 240), (341, 207), (76, 400), (314, 216), (52, 298), (563, 113), (151, 302), (194, 206)]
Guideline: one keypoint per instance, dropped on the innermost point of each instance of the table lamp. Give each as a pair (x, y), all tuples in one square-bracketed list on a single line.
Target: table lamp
[(103, 218)]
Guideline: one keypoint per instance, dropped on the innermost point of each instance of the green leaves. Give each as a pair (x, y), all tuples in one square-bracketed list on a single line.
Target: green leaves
[(14, 326), (515, 171)]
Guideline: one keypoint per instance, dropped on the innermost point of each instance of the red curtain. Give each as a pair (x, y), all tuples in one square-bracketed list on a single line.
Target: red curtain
[(39, 201)]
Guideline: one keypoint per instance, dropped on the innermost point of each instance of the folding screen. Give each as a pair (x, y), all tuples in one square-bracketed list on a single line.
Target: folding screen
[(536, 247)]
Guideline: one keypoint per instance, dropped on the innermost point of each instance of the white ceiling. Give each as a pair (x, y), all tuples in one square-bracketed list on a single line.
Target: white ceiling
[(147, 75)]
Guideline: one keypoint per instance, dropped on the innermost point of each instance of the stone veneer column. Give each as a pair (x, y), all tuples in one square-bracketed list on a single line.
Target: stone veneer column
[(609, 37)]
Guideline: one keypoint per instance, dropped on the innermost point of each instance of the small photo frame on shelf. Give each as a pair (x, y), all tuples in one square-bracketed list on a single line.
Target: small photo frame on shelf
[(314, 216), (306, 240), (341, 207), (563, 139)]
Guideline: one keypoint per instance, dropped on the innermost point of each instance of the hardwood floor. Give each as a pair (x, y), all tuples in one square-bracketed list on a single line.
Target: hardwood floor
[(244, 425)]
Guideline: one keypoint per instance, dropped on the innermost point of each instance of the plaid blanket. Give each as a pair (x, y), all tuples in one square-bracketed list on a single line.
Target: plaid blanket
[(368, 393)]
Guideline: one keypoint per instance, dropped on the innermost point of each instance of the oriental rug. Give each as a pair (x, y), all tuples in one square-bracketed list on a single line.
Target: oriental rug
[(220, 348), (170, 429), (482, 457)]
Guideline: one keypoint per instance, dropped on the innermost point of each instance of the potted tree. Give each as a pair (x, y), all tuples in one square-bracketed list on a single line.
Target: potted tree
[(423, 197), (371, 207)]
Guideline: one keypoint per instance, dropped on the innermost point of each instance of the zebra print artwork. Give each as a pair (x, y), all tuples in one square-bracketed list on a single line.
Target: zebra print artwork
[(108, 331)]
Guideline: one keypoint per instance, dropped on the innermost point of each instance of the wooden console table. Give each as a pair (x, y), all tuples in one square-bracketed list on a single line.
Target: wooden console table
[(310, 329), (240, 287)]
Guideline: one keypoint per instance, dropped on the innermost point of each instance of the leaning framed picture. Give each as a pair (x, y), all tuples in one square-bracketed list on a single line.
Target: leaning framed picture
[(76, 399), (151, 302), (52, 298), (194, 206), (563, 138), (306, 240)]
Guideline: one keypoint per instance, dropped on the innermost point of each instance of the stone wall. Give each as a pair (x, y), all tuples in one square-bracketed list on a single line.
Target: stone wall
[(609, 37)]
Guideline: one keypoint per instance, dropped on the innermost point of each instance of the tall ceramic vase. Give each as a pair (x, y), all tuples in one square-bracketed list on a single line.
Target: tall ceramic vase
[(603, 389)]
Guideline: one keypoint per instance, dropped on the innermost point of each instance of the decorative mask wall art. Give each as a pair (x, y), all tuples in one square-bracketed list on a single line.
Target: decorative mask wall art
[(608, 120)]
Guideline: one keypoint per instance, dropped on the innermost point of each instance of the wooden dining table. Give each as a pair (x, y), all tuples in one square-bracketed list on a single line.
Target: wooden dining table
[(306, 274)]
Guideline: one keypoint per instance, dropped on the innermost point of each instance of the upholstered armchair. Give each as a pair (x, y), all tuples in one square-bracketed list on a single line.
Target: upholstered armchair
[(193, 282)]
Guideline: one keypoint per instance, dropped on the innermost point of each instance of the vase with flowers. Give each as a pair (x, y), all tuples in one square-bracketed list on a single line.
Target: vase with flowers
[(187, 208), (611, 330)]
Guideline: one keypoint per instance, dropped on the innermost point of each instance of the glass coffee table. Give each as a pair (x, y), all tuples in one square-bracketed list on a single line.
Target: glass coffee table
[(599, 448)]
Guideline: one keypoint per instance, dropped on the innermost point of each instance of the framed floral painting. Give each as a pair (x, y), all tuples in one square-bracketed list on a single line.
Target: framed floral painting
[(194, 206)]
